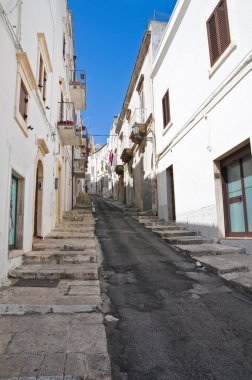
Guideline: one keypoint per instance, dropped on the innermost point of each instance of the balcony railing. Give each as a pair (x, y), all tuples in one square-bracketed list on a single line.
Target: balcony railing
[(66, 122), (77, 83), (119, 170), (79, 168), (138, 124)]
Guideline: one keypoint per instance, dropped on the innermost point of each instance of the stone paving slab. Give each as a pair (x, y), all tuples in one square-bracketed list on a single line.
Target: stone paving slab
[(60, 257), (87, 271), (208, 249), (188, 240), (242, 282), (76, 244), (68, 235), (80, 295), (174, 233), (222, 264), (54, 347), (165, 228)]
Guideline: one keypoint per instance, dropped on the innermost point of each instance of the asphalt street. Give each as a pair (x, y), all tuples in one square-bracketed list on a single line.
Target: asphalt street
[(176, 321)]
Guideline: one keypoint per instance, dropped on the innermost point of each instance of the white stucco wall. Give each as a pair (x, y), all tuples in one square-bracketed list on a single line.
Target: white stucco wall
[(20, 152), (217, 124)]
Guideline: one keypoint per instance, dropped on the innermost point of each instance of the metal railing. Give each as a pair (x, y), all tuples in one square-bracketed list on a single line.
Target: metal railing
[(79, 165), (138, 117), (66, 114), (77, 77)]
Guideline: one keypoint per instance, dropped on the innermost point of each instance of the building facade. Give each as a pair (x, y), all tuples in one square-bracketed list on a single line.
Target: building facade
[(38, 85), (201, 84), (135, 127)]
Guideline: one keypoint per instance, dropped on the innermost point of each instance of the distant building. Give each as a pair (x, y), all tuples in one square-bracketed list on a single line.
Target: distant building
[(135, 127)]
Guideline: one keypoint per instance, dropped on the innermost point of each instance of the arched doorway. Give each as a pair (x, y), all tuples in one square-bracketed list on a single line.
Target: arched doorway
[(38, 201)]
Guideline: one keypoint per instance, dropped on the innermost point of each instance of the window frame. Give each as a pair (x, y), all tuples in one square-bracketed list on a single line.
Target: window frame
[(24, 76), (166, 110), (44, 67), (219, 34)]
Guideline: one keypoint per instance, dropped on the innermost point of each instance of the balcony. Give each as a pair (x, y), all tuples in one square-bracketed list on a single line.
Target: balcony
[(127, 155), (66, 123), (139, 124), (119, 170), (79, 168), (77, 84)]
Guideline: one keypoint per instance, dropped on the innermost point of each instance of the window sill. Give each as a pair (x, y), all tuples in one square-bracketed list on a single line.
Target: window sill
[(167, 128), (221, 60)]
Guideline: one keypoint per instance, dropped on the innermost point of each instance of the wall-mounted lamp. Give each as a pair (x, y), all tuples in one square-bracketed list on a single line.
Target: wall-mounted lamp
[(30, 127), (47, 107)]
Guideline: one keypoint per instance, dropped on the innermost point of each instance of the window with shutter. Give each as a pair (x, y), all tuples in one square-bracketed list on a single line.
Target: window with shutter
[(166, 109), (218, 31), (23, 100)]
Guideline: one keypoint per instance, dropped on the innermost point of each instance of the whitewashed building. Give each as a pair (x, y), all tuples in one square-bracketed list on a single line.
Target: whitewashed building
[(98, 171), (135, 127), (40, 100), (202, 81)]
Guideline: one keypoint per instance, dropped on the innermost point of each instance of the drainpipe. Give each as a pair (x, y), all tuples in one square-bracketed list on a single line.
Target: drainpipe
[(72, 177)]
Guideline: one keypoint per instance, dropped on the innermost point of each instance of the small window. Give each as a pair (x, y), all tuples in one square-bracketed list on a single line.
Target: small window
[(23, 101), (218, 31), (42, 78), (64, 47), (166, 109)]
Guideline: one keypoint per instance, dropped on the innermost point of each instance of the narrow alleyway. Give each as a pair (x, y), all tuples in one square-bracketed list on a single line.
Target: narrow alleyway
[(175, 321)]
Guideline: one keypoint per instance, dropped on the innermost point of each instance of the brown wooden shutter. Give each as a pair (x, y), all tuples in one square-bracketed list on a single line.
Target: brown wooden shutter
[(218, 31), (166, 109), (23, 100), (223, 26)]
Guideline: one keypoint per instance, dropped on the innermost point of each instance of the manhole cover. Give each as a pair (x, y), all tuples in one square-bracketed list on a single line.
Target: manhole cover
[(37, 283)]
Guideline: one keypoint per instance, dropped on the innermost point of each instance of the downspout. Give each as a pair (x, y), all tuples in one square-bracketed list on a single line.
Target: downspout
[(72, 177), (16, 40), (19, 23)]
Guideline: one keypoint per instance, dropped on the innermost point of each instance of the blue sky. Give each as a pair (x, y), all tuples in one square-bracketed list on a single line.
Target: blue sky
[(108, 34)]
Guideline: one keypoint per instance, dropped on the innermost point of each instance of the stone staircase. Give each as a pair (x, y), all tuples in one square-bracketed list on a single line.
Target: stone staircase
[(67, 256), (231, 263), (52, 311)]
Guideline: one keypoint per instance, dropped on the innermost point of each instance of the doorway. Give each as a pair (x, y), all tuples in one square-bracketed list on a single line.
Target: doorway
[(13, 212), (38, 201), (237, 193), (170, 194)]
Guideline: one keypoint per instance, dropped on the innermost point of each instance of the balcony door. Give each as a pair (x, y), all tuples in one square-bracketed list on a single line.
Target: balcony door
[(237, 186)]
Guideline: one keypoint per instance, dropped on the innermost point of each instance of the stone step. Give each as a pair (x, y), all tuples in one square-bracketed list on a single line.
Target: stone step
[(130, 209), (159, 223), (175, 233), (74, 228), (167, 228), (143, 213), (208, 249), (181, 240), (148, 217), (65, 245), (87, 271), (74, 219), (59, 257), (69, 235), (222, 264), (67, 297), (75, 225)]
